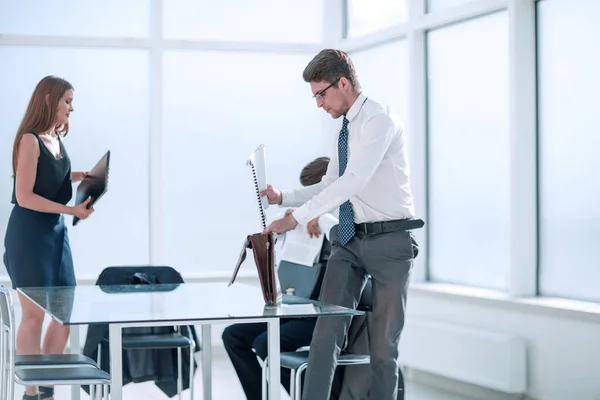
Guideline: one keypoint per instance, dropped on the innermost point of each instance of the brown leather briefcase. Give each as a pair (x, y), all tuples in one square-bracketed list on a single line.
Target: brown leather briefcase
[(263, 247)]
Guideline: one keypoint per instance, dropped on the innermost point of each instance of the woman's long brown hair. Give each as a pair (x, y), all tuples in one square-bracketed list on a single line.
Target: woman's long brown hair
[(41, 113)]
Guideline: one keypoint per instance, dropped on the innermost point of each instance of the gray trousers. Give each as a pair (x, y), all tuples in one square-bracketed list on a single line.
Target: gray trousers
[(388, 258)]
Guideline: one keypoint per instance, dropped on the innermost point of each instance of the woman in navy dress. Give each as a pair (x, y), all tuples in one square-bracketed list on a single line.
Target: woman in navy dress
[(37, 251)]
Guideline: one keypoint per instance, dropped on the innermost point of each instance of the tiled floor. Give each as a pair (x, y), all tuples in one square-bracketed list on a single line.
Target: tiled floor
[(227, 387)]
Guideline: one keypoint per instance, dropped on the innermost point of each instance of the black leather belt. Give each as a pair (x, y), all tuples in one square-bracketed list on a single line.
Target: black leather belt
[(389, 226)]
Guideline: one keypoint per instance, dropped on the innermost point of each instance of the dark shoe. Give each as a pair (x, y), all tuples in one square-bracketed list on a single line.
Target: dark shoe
[(46, 392)]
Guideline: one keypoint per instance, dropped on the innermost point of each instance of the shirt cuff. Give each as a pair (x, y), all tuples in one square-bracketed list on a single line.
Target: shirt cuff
[(287, 198), (301, 215), (326, 222)]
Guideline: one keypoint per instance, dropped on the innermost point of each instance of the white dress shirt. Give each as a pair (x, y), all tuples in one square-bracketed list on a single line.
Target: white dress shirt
[(376, 179), (326, 222)]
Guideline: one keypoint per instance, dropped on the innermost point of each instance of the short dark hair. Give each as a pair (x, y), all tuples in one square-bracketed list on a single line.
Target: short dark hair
[(329, 65), (314, 171)]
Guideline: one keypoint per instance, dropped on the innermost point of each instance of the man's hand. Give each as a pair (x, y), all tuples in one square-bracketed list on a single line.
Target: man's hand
[(273, 195), (289, 211), (282, 225), (313, 228)]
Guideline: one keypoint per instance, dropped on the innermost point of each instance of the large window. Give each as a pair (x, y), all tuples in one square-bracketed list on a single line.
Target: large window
[(469, 152), (383, 74), (218, 104), (210, 126), (216, 107), (569, 140), (439, 5), (106, 18), (365, 17), (243, 20)]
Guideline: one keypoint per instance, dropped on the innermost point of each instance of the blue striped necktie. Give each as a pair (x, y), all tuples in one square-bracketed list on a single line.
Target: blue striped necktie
[(346, 225)]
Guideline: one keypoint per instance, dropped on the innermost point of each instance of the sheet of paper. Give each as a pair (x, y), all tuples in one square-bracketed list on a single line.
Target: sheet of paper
[(258, 159), (300, 248)]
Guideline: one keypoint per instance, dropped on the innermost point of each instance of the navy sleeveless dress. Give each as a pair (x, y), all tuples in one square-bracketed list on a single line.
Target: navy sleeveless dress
[(37, 251)]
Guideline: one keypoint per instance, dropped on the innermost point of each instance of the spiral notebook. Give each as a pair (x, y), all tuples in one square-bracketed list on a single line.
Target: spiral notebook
[(257, 161)]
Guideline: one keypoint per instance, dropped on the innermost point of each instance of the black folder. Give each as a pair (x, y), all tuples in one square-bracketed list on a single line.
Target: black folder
[(94, 185)]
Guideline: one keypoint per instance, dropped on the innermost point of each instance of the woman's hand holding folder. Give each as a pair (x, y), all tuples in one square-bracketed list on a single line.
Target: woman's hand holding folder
[(82, 211)]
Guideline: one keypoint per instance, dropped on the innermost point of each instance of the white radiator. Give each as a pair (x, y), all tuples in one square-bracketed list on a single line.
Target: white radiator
[(488, 359)]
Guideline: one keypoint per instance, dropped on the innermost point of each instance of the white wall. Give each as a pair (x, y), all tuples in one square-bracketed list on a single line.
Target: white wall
[(562, 351)]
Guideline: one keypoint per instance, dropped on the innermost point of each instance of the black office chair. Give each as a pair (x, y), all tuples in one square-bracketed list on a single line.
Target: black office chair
[(297, 361), (300, 280), (152, 338)]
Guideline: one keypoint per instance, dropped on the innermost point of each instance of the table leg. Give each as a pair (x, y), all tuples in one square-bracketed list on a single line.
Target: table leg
[(74, 348), (274, 359), (207, 361), (116, 361)]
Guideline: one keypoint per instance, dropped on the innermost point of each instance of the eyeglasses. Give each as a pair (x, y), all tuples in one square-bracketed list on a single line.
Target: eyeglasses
[(319, 95)]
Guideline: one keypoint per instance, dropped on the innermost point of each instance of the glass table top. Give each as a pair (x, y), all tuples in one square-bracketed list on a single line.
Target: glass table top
[(90, 304)]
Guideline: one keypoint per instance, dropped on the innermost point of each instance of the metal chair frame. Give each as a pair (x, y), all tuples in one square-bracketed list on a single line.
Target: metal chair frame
[(35, 373)]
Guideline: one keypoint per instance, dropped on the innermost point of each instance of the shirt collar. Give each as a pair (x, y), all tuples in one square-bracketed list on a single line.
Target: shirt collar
[(358, 103)]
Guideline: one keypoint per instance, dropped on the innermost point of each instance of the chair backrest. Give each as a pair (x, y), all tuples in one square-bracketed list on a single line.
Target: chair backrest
[(366, 299), (127, 274), (300, 280), (8, 342), (7, 314)]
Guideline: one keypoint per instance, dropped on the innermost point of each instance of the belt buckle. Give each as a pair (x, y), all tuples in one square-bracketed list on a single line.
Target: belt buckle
[(374, 228)]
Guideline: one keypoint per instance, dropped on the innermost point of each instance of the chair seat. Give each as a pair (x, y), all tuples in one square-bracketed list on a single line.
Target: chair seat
[(159, 341), (295, 359), (353, 359), (64, 376), (46, 360)]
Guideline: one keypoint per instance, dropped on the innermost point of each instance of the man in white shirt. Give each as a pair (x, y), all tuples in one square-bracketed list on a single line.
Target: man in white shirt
[(368, 179)]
